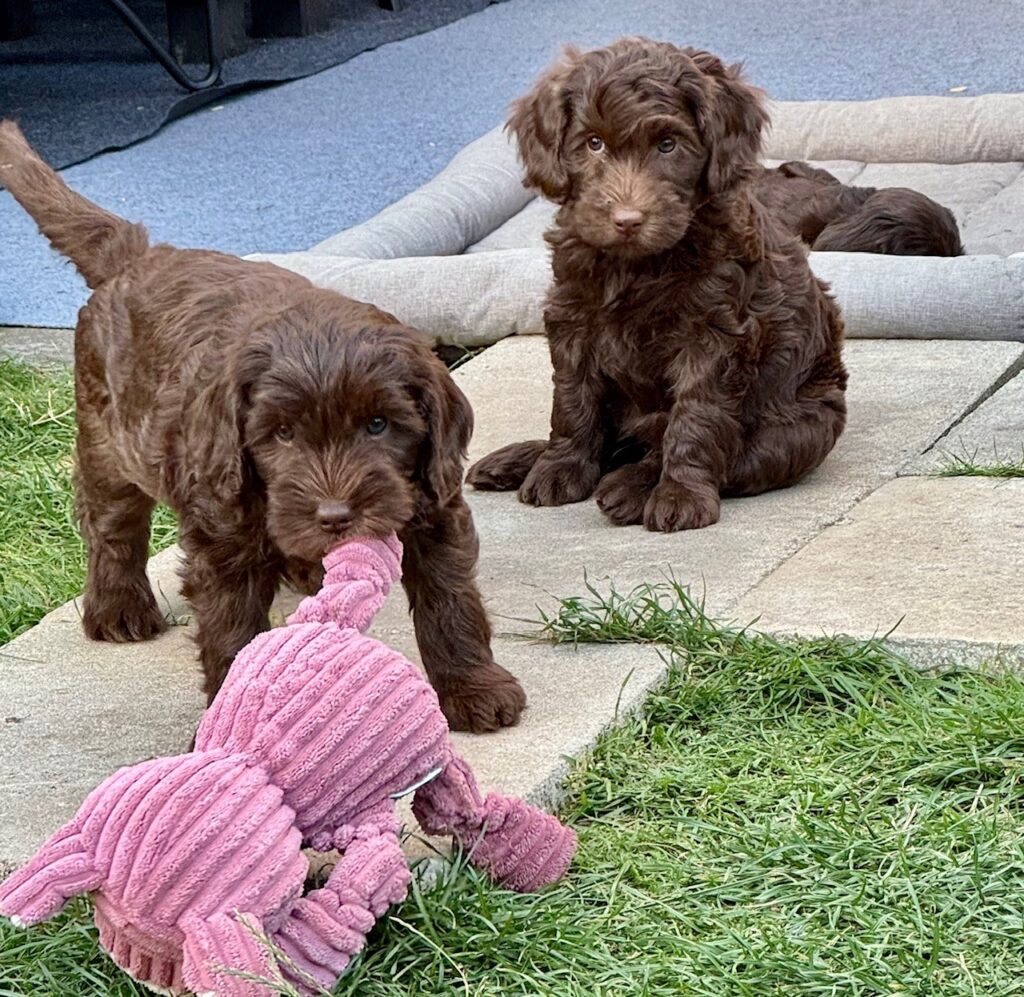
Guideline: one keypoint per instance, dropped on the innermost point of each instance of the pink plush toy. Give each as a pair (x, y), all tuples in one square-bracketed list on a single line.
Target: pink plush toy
[(315, 732)]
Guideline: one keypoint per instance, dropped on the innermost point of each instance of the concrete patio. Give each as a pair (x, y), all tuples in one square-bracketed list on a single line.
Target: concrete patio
[(869, 541)]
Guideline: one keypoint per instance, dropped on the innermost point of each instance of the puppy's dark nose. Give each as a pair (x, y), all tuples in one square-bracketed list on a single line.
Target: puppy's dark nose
[(627, 220), (335, 517)]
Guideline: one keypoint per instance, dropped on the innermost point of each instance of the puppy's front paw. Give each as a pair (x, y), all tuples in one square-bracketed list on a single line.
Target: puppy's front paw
[(622, 494), (481, 700), (559, 481), (673, 507), (505, 468), (123, 616)]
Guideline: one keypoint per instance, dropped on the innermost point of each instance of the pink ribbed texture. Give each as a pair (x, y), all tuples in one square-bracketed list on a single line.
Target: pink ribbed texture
[(314, 729)]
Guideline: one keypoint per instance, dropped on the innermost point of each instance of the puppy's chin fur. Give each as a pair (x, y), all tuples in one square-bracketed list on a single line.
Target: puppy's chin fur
[(660, 232), (658, 240), (312, 548)]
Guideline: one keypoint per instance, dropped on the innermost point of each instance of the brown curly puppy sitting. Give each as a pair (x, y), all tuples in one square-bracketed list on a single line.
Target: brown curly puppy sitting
[(694, 352)]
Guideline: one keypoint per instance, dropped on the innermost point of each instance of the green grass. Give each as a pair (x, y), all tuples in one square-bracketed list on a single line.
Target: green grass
[(807, 818), (967, 465), (42, 559)]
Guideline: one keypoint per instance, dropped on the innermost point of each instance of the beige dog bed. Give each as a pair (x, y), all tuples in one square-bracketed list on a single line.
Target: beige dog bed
[(463, 257)]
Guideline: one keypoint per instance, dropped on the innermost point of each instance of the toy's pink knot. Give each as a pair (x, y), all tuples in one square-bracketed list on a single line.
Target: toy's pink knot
[(366, 557), (520, 846), (337, 839), (496, 811), (358, 574), (321, 841)]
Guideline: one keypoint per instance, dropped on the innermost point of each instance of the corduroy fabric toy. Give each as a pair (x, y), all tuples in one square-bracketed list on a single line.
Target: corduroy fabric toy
[(313, 734)]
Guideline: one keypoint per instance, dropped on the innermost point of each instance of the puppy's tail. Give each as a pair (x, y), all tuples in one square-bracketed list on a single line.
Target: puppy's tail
[(98, 243)]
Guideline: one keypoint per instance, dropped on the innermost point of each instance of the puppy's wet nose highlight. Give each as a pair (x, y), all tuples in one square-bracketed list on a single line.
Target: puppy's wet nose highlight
[(627, 220), (334, 517)]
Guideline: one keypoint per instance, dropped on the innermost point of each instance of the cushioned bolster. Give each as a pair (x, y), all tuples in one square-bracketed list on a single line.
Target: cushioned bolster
[(470, 301), (987, 129), (480, 189), (920, 297), (482, 297)]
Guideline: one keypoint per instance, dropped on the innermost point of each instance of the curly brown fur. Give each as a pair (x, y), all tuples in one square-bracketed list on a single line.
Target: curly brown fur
[(694, 352), (833, 217), (275, 418)]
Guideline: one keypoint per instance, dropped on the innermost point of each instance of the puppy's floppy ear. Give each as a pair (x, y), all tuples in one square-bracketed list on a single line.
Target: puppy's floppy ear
[(732, 123), (538, 121), (449, 418), (213, 425)]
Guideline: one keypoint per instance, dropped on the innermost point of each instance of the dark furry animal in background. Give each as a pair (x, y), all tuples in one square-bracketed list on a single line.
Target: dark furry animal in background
[(274, 418), (833, 217), (694, 352)]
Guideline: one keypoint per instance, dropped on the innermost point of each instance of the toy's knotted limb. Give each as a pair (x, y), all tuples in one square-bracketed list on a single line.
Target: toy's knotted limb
[(327, 927), (357, 578), (229, 954), (518, 845), (61, 869)]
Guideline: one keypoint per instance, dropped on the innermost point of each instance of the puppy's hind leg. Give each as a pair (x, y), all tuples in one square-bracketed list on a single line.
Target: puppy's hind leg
[(506, 469), (785, 449), (113, 516)]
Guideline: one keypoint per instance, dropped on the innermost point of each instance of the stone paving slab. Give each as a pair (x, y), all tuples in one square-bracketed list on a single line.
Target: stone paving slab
[(992, 433), (939, 559), (902, 397), (42, 347), (73, 711)]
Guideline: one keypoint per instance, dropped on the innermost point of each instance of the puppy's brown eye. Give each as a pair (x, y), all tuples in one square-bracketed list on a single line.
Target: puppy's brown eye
[(595, 144), (285, 434), (377, 425), (666, 145)]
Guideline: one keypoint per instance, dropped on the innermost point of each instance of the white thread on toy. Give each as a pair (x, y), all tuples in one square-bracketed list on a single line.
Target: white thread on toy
[(429, 777)]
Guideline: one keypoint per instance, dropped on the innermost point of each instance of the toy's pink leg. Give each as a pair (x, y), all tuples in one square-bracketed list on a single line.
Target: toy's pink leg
[(62, 868), (327, 927), (222, 955), (518, 845)]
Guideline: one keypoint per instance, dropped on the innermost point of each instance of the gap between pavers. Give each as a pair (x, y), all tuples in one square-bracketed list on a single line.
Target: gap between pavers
[(74, 711), (992, 433), (938, 559)]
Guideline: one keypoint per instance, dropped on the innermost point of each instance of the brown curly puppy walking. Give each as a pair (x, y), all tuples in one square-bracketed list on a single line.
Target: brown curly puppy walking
[(275, 419)]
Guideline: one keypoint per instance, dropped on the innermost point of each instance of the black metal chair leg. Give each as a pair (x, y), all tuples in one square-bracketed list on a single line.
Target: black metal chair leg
[(289, 18), (390, 4), (213, 41)]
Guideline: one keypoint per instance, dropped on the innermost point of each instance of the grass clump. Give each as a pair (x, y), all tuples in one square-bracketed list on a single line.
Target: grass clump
[(42, 558), (968, 465), (782, 817)]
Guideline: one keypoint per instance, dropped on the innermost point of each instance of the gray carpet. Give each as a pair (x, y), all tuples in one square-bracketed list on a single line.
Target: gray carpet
[(282, 168), (82, 83)]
